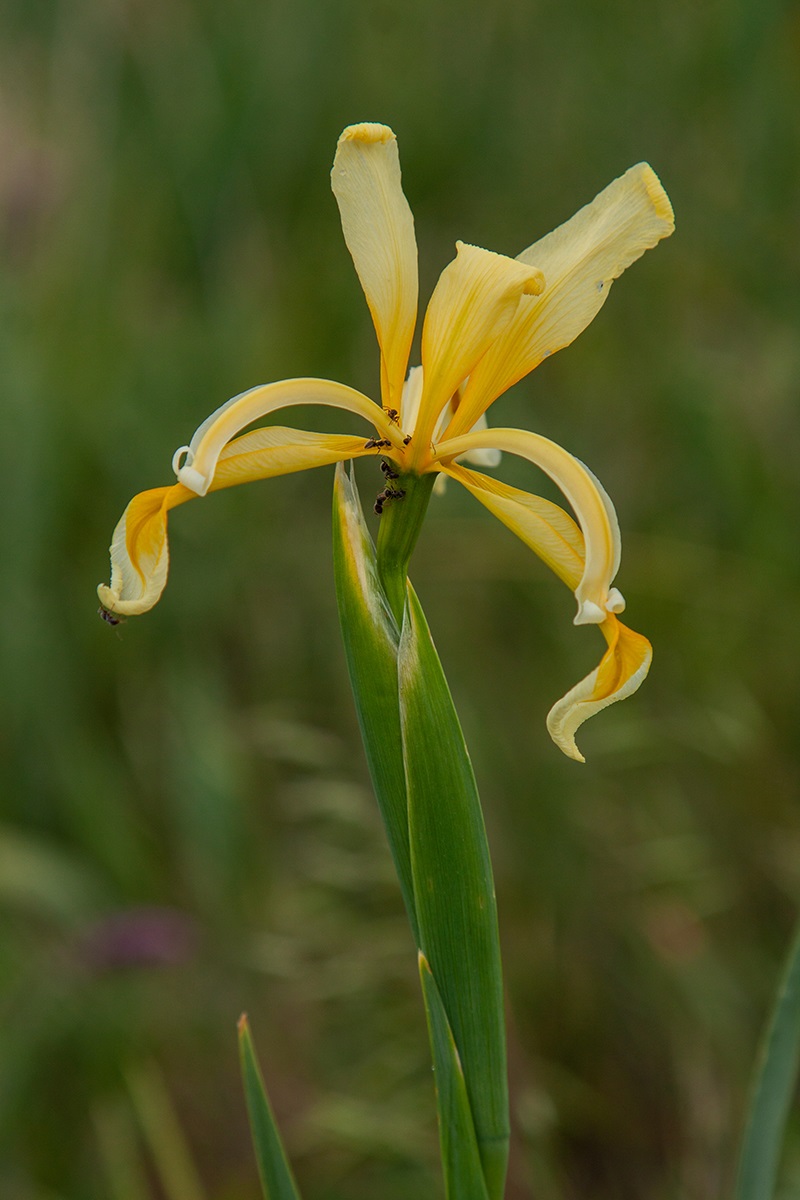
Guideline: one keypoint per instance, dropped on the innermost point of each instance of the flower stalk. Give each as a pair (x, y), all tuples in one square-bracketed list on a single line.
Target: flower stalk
[(427, 794), (401, 522)]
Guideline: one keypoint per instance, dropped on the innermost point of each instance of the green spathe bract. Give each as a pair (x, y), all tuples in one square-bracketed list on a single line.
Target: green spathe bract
[(426, 790), (453, 886), (371, 638), (461, 1161)]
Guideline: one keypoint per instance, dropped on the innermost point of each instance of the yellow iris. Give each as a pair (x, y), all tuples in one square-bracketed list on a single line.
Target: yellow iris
[(490, 320)]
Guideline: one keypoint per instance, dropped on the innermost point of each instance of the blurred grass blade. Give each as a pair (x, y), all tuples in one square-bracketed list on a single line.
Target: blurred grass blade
[(277, 1180), (461, 1161), (119, 1151), (776, 1075), (371, 639), (162, 1132), (453, 887)]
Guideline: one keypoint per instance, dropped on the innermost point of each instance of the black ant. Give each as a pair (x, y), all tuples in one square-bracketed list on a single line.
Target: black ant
[(109, 617), (388, 470), (388, 493), (406, 439), (393, 415), (377, 443)]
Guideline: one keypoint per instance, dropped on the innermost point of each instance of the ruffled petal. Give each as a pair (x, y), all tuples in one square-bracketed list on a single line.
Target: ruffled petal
[(139, 547), (590, 502), (379, 230), (622, 669), (580, 261), (475, 298), (197, 470)]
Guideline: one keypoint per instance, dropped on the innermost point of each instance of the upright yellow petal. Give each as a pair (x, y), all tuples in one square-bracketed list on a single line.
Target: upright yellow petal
[(621, 671), (196, 470), (590, 502), (580, 261), (379, 231), (475, 298)]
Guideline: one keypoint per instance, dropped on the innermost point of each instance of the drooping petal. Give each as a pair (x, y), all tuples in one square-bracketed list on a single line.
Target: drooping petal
[(475, 298), (554, 536), (543, 526), (580, 261), (139, 547), (622, 669), (197, 471), (140, 551), (379, 230), (590, 502)]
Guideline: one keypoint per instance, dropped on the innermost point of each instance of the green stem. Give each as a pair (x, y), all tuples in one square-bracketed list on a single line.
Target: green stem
[(401, 522)]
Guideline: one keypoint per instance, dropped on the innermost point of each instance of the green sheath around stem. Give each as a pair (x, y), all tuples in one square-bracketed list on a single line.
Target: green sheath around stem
[(427, 794)]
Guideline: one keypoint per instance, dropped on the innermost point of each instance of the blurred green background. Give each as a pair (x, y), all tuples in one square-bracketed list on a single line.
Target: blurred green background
[(187, 825)]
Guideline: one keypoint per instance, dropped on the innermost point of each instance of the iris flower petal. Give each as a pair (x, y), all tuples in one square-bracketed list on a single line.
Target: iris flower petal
[(140, 552), (554, 536), (590, 502), (379, 230), (272, 451), (139, 546), (580, 261), (622, 669), (474, 300), (197, 472), (541, 525)]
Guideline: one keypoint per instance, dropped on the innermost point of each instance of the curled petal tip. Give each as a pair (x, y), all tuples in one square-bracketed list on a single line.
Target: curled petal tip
[(193, 480), (530, 282), (589, 613), (107, 598), (622, 669), (368, 132), (616, 601), (658, 197)]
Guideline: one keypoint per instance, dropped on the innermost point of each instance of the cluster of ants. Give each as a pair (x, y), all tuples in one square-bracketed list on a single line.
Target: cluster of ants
[(389, 492)]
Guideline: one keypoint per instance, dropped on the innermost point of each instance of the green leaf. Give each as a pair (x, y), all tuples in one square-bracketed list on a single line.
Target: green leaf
[(461, 1161), (371, 639), (776, 1075), (453, 887), (277, 1180)]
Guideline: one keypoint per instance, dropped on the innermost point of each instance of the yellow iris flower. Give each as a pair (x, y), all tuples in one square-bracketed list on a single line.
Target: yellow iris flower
[(490, 320)]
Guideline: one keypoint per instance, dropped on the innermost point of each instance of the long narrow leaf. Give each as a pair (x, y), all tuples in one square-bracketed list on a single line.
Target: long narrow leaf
[(371, 640), (277, 1180), (453, 887), (461, 1161), (776, 1075)]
